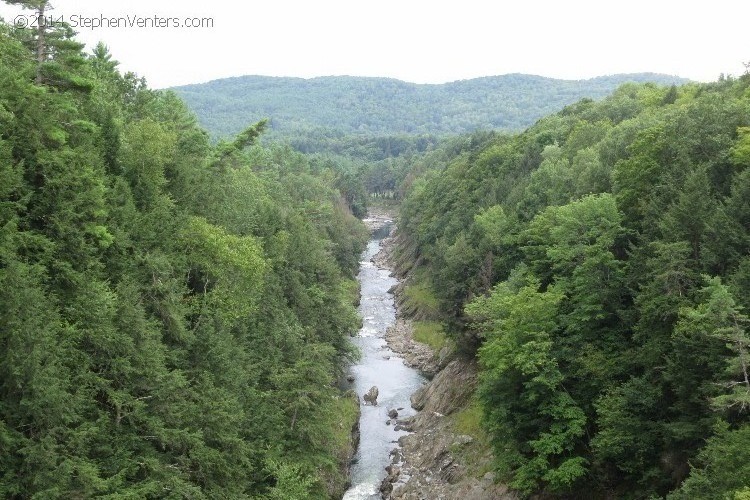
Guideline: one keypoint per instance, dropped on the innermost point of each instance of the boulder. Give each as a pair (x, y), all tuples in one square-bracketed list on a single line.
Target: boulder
[(386, 487), (392, 413), (372, 396)]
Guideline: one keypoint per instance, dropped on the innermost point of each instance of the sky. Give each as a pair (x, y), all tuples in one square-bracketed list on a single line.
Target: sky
[(421, 41)]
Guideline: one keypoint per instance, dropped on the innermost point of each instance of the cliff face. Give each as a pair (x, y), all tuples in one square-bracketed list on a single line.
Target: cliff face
[(447, 455), (438, 461)]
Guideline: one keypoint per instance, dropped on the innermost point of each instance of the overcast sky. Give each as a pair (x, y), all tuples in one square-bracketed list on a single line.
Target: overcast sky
[(423, 41)]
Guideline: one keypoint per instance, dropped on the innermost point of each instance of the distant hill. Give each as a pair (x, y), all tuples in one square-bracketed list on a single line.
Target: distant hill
[(341, 105)]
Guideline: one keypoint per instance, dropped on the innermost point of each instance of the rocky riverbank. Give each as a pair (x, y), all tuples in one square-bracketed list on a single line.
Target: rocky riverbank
[(437, 460), (379, 376), (377, 218), (416, 355)]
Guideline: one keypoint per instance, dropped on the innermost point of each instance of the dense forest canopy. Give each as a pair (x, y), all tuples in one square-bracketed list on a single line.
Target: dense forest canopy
[(598, 265), (175, 303), (173, 314), (376, 129), (320, 114)]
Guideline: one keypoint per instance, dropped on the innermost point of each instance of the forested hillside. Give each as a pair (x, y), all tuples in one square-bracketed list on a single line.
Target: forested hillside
[(175, 303), (318, 114), (173, 314), (598, 265)]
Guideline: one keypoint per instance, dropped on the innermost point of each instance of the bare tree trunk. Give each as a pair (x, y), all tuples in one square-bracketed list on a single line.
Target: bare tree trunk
[(40, 45), (294, 419), (743, 353)]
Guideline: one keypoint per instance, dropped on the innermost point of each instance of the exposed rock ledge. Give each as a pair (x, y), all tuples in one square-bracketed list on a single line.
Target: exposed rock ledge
[(415, 354), (377, 218), (430, 459)]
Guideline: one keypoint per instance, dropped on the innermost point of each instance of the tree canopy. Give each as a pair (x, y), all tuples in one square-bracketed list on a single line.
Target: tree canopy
[(173, 314), (597, 265)]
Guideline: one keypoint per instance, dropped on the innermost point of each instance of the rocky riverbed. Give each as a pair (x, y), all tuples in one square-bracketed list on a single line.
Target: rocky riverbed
[(377, 218), (433, 460), (380, 377)]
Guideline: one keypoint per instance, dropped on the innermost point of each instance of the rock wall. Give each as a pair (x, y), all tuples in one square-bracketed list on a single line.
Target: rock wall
[(431, 463)]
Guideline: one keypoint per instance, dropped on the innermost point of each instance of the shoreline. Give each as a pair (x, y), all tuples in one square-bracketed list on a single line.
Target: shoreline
[(430, 462), (400, 336), (378, 218)]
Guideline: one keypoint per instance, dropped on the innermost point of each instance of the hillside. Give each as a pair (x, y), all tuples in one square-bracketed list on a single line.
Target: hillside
[(343, 105), (598, 265), (173, 315)]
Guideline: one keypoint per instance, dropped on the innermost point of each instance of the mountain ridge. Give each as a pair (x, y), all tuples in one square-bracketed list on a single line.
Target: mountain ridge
[(335, 106), (638, 75)]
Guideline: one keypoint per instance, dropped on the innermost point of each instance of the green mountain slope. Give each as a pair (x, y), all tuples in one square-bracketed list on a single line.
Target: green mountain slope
[(599, 265), (173, 314), (332, 106)]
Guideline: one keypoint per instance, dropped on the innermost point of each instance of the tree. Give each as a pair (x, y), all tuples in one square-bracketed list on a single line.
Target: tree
[(167, 307), (689, 215), (718, 319), (634, 178), (40, 7), (536, 425), (630, 422), (57, 55), (722, 467), (616, 208)]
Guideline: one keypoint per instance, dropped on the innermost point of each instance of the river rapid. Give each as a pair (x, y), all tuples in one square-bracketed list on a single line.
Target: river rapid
[(378, 366)]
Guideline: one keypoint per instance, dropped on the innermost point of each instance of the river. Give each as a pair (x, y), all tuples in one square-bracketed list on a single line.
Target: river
[(378, 366)]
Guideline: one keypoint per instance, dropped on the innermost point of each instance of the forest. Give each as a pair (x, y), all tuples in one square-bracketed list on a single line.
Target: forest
[(598, 267), (174, 312), (328, 113), (176, 303)]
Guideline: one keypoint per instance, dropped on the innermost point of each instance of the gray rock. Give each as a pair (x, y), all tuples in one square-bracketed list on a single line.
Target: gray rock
[(372, 396), (403, 426), (418, 399), (386, 487), (392, 413), (462, 439), (394, 472)]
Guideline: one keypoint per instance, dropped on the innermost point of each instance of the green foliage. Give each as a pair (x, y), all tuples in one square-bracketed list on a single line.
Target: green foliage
[(430, 333), (420, 299), (476, 455), (630, 431), (392, 125), (521, 377), (741, 150), (229, 267), (290, 482), (718, 325), (468, 420), (173, 315), (315, 113), (570, 256), (721, 469)]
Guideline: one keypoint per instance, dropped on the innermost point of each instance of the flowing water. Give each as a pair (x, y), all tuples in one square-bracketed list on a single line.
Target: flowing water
[(380, 367)]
